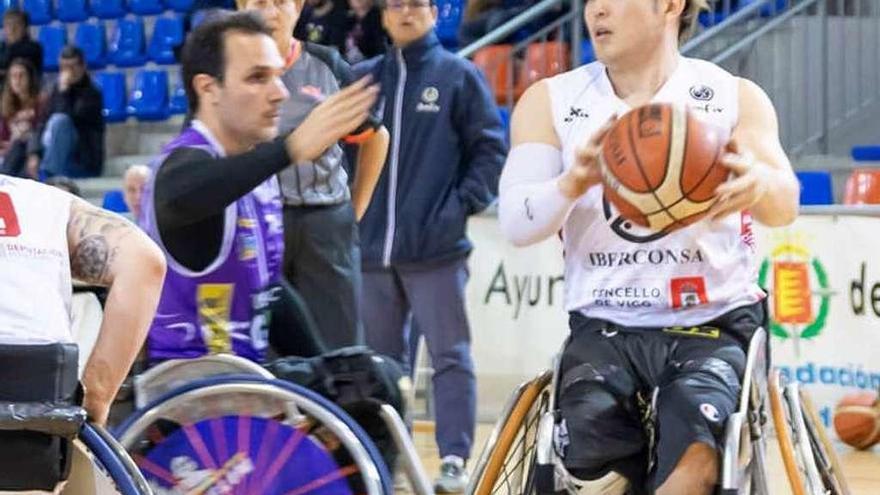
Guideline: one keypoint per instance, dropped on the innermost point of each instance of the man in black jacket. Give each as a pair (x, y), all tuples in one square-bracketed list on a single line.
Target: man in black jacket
[(18, 43), (71, 141)]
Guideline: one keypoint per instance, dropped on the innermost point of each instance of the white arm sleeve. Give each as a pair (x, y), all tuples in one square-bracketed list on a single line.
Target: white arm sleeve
[(530, 205)]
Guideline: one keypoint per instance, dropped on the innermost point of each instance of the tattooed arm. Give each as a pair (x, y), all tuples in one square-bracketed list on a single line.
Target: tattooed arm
[(106, 249)]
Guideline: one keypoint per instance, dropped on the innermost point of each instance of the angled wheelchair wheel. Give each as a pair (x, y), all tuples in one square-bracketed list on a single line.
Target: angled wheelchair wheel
[(251, 435), (744, 448), (782, 424), (506, 465), (830, 467), (811, 463), (102, 467)]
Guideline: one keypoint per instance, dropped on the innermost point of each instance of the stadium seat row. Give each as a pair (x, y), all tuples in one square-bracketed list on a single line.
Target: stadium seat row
[(45, 11), (127, 46), (150, 98), (543, 59)]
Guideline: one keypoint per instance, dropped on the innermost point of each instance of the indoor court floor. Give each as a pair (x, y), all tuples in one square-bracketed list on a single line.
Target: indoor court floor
[(862, 468)]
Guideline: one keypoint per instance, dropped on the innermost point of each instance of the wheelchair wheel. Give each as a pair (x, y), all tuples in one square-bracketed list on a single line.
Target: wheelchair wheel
[(248, 434), (507, 463), (830, 467), (781, 423), (809, 458), (102, 467)]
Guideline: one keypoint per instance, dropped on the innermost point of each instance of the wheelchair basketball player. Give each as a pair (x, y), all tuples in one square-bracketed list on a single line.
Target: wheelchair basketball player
[(659, 320), (47, 238)]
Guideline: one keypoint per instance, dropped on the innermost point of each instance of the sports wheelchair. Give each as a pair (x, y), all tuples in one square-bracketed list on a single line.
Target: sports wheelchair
[(226, 423), (520, 448), (46, 444)]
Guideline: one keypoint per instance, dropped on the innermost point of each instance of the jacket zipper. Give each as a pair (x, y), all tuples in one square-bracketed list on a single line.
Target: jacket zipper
[(395, 155)]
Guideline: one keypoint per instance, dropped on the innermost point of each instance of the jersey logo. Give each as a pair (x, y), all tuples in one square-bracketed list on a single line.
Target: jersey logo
[(8, 218), (627, 230), (687, 292), (702, 92), (430, 95), (575, 113)]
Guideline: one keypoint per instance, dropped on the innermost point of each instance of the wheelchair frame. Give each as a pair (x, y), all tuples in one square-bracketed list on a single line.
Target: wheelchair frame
[(744, 451)]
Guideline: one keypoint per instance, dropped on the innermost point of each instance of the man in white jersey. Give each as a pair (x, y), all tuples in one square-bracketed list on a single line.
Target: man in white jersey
[(49, 237), (651, 312)]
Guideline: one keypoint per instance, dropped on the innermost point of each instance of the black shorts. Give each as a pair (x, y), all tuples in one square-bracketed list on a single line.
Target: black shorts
[(607, 382)]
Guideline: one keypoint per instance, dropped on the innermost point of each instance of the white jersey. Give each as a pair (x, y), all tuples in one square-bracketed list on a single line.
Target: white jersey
[(36, 290), (618, 271)]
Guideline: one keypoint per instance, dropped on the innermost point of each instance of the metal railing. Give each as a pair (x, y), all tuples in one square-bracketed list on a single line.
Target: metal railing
[(566, 26), (818, 61)]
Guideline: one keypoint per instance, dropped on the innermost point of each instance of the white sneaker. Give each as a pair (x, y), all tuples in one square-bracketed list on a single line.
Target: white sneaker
[(453, 477)]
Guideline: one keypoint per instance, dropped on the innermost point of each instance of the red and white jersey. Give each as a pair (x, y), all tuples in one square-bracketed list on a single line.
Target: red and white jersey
[(35, 292), (618, 271)]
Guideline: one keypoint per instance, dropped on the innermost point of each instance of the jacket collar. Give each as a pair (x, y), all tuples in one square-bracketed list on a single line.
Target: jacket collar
[(417, 51)]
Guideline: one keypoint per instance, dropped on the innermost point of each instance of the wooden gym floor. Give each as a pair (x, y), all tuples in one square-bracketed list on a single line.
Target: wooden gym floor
[(862, 468)]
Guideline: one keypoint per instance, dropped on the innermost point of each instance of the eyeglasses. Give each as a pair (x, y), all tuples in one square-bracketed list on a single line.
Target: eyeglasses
[(413, 4)]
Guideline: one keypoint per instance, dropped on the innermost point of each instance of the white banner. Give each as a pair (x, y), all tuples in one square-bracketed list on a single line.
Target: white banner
[(823, 275)]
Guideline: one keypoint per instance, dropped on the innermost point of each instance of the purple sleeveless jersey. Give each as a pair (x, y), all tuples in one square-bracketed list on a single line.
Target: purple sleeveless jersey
[(224, 308)]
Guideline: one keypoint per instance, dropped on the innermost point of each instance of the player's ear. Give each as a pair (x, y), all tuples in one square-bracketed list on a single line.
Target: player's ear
[(674, 8), (206, 87)]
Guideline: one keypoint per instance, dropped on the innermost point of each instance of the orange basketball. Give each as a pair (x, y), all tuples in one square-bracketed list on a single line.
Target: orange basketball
[(660, 166), (857, 420)]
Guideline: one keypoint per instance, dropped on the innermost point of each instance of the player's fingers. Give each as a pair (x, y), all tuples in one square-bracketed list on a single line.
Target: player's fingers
[(735, 186), (729, 205)]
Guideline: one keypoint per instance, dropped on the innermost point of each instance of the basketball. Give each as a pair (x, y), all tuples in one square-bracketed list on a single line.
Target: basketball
[(660, 166), (857, 420)]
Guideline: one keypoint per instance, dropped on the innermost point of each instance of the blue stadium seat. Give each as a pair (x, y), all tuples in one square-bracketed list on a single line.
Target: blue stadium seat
[(866, 153), (149, 99), (816, 188), (72, 10), (53, 39), (91, 39), (39, 11), (114, 201), (178, 104), (112, 86), (126, 48), (588, 55), (769, 9), (108, 9), (167, 34), (182, 6), (146, 7), (6, 5), (448, 21), (709, 19)]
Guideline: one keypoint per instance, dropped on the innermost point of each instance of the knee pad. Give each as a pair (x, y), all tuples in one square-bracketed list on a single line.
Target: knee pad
[(597, 422)]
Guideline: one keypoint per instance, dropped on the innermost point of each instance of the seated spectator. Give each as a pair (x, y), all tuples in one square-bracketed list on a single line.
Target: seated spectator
[(18, 43), (324, 22), (71, 141), (65, 184), (133, 186), (19, 116), (366, 38)]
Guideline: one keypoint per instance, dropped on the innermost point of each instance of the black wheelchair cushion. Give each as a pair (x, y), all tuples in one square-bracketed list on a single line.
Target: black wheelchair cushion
[(35, 378)]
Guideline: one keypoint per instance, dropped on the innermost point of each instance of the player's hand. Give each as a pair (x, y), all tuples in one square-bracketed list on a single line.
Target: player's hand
[(336, 117), (97, 410), (748, 185), (585, 172)]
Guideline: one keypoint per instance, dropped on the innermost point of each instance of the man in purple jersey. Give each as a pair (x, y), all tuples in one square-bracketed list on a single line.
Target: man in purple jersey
[(213, 202)]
